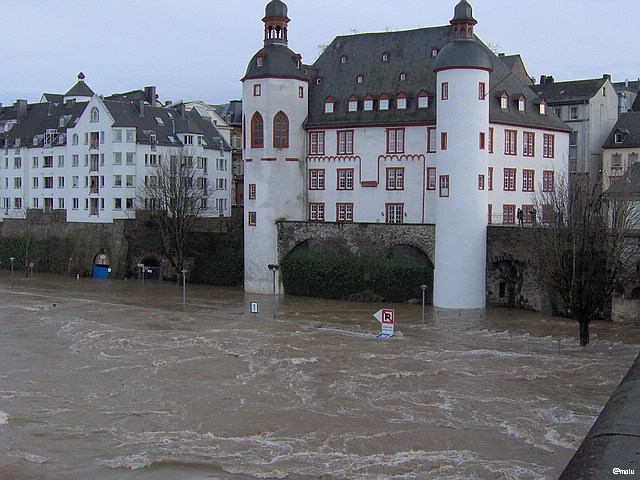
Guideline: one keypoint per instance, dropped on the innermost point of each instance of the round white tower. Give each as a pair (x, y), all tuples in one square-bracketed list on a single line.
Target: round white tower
[(275, 105), (462, 71)]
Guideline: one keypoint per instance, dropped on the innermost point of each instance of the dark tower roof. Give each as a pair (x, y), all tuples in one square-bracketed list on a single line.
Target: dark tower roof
[(80, 89), (463, 51), (275, 9)]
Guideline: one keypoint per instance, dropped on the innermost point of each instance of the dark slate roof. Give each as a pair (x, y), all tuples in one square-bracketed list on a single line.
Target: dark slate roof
[(125, 114), (627, 184), (463, 52), (516, 64), (629, 125), (44, 116), (230, 112), (52, 97), (575, 91), (636, 104), (462, 12), (80, 89), (275, 9), (277, 61), (409, 52), (127, 96)]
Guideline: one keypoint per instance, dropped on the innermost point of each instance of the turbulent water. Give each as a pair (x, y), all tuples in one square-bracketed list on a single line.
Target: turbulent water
[(118, 380)]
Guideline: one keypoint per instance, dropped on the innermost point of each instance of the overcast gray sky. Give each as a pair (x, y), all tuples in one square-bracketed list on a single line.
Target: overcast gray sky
[(199, 49)]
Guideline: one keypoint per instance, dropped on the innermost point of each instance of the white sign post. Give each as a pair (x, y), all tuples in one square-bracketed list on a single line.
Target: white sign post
[(387, 318), (254, 307)]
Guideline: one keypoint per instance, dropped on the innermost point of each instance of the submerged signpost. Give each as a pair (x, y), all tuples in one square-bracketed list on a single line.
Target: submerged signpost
[(387, 318)]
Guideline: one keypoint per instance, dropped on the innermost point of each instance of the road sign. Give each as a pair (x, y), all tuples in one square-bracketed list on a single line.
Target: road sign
[(386, 317)]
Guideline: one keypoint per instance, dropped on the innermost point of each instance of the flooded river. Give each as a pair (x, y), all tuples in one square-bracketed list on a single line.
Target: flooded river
[(114, 380)]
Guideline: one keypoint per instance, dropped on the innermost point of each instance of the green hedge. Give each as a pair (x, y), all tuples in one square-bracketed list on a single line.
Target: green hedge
[(350, 277), (224, 267)]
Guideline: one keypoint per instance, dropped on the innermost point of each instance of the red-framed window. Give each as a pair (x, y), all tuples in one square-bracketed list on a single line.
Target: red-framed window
[(431, 178), (252, 191), (395, 140), (490, 139), (490, 213), (482, 140), (431, 139), (257, 90), (444, 185), (395, 212), (528, 180), (300, 92), (344, 212), (508, 214), (257, 131), (548, 145), (548, 181), (509, 180), (443, 140), (510, 142), (490, 179), (528, 213), (395, 178), (444, 91), (316, 143), (316, 212), (252, 219), (482, 91), (316, 179), (528, 144), (281, 130), (345, 142), (345, 179), (481, 182)]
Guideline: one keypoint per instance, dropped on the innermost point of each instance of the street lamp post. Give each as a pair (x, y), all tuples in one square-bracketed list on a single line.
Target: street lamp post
[(274, 268), (184, 283), (424, 288), (11, 259)]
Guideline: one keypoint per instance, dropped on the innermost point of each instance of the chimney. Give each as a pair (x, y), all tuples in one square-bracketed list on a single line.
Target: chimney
[(150, 95), (139, 106), (543, 79), (181, 110), (607, 76), (501, 54), (549, 79), (21, 110)]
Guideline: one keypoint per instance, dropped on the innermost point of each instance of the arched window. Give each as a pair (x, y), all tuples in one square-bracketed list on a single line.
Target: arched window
[(280, 131), (95, 114), (257, 131), (75, 139)]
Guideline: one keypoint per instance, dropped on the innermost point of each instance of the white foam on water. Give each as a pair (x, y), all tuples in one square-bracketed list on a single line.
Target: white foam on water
[(4, 418), (33, 458)]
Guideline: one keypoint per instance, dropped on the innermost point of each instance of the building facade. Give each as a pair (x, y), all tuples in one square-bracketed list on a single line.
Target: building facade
[(92, 157), (378, 132)]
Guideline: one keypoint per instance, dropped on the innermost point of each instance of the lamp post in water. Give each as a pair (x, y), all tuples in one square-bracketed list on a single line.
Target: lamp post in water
[(11, 259), (274, 268), (184, 284), (424, 289)]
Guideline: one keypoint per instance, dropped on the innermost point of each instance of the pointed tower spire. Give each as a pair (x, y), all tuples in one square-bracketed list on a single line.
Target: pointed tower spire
[(275, 23)]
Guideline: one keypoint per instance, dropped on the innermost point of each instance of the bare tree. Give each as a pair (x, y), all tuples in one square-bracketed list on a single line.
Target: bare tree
[(174, 195), (582, 247)]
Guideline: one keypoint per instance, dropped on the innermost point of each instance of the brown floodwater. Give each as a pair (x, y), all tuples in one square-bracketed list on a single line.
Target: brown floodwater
[(118, 380)]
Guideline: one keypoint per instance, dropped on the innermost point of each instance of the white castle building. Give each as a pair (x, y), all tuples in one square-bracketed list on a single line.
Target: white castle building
[(91, 156), (424, 126)]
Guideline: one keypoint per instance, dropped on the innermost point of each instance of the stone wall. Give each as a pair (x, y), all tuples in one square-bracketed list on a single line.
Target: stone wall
[(358, 238)]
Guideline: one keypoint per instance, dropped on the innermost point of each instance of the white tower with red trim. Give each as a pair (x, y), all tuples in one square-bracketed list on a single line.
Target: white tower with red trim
[(462, 71), (275, 105)]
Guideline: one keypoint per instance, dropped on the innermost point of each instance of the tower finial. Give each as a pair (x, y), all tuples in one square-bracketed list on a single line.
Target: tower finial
[(275, 23), (81, 77), (463, 20)]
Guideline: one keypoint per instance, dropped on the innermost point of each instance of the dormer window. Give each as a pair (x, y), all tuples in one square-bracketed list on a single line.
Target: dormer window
[(423, 99), (543, 108), (159, 121), (328, 105), (403, 76), (385, 57), (318, 81), (522, 104), (353, 104), (434, 52), (360, 78), (619, 137), (504, 101), (343, 59), (401, 102), (368, 103), (259, 61), (383, 102)]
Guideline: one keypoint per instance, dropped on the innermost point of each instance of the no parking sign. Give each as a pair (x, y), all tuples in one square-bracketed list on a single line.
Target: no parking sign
[(386, 317)]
